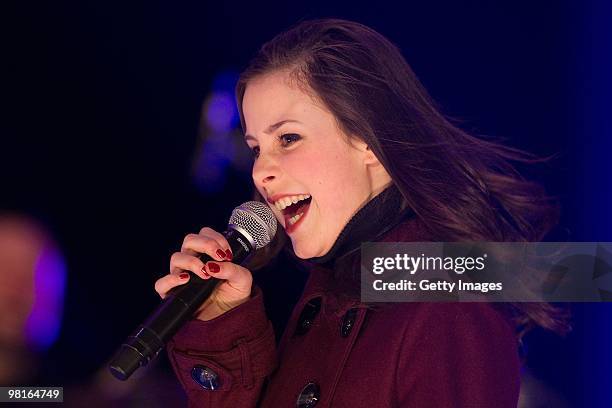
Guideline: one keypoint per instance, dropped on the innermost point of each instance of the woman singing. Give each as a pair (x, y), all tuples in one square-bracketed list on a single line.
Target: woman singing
[(348, 147)]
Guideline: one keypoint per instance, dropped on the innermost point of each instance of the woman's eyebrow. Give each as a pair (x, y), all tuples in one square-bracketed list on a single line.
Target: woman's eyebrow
[(272, 128), (275, 126)]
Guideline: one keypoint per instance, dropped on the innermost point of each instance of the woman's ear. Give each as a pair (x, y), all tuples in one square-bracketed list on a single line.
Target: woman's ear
[(369, 156), (379, 177)]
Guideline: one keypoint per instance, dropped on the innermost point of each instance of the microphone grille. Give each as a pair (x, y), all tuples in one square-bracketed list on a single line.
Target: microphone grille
[(257, 219)]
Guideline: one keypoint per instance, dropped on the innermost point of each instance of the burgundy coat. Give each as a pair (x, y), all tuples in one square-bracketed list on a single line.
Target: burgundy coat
[(402, 355)]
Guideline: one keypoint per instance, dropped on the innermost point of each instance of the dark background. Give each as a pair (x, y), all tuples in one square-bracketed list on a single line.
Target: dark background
[(102, 104)]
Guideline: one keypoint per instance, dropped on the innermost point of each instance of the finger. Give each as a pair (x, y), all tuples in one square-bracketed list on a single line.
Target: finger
[(204, 245), (180, 262), (165, 283), (236, 275), (220, 238), (190, 252)]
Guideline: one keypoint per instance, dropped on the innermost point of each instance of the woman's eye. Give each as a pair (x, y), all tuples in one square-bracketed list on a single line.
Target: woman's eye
[(289, 138)]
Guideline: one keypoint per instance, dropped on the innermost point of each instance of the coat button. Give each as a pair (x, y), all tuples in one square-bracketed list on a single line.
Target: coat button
[(348, 321), (309, 396), (307, 316), (206, 377)]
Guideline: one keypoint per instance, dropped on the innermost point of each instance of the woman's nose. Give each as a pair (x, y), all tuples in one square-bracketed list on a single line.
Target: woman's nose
[(265, 170)]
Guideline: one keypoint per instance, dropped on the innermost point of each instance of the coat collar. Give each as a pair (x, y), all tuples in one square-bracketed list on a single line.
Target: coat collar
[(384, 219), (370, 223)]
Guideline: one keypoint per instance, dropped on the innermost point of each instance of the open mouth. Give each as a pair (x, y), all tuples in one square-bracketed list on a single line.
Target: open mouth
[(295, 212)]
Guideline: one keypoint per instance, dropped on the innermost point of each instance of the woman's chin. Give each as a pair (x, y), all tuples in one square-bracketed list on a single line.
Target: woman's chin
[(301, 253), (304, 251)]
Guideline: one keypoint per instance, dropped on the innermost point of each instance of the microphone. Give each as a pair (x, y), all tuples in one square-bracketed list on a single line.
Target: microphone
[(251, 226)]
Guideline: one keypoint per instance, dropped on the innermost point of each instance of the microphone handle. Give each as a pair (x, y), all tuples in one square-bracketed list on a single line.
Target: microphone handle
[(177, 307)]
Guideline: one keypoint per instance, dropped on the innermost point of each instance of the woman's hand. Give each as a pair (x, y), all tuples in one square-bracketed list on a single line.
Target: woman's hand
[(235, 287)]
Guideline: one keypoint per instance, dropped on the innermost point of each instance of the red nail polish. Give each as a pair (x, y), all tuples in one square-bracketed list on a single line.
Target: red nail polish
[(228, 255), (220, 253), (213, 267), (205, 272), (183, 275)]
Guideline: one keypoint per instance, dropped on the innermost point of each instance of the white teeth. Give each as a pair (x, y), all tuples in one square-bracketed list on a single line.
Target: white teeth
[(285, 202), (295, 218)]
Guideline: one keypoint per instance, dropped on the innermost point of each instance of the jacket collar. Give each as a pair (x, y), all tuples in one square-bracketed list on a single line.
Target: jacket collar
[(385, 218), (370, 223)]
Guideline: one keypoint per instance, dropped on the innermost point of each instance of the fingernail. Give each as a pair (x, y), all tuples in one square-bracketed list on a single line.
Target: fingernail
[(228, 255), (183, 275), (220, 253), (213, 267)]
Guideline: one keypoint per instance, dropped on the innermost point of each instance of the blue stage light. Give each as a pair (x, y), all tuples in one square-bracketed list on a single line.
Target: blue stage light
[(44, 322)]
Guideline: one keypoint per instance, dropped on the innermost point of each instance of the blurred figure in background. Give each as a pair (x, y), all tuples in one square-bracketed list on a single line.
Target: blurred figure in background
[(32, 277), (32, 282)]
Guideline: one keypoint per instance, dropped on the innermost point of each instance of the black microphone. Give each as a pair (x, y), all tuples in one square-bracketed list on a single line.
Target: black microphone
[(251, 226)]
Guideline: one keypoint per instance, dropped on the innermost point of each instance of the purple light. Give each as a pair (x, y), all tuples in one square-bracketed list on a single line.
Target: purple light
[(44, 321), (221, 111), (219, 136)]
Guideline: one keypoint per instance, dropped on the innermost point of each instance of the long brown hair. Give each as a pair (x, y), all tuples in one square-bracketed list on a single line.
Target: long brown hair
[(463, 188)]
